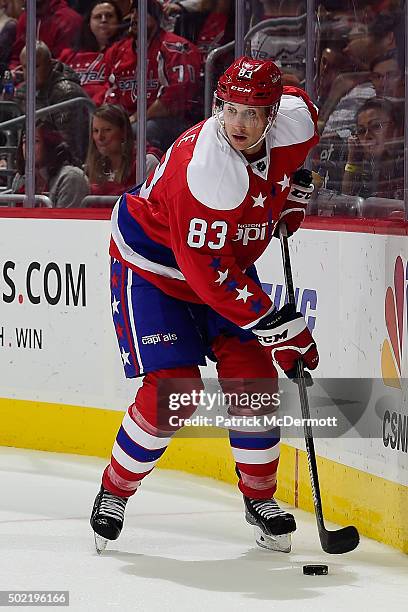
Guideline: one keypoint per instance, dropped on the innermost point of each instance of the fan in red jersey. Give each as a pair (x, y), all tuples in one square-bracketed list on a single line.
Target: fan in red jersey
[(56, 25), (172, 78), (185, 288), (100, 29)]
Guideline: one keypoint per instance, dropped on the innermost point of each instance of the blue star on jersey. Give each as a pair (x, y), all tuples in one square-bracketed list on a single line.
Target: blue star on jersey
[(231, 285), (215, 263), (256, 306)]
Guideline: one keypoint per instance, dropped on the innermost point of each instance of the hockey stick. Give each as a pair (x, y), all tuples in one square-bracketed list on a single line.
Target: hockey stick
[(345, 539)]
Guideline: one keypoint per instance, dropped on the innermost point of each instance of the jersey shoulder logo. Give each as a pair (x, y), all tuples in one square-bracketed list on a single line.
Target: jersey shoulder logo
[(177, 47)]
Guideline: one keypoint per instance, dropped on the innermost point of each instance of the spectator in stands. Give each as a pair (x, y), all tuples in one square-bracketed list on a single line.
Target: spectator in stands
[(387, 77), (56, 174), (349, 91), (207, 23), (353, 87), (185, 17), (7, 35), (375, 160), (284, 43), (171, 7), (15, 8), (4, 162), (332, 63), (57, 27), (338, 24), (125, 7), (3, 166), (111, 160), (82, 7), (377, 38), (99, 30), (342, 19), (174, 65), (218, 28), (56, 83)]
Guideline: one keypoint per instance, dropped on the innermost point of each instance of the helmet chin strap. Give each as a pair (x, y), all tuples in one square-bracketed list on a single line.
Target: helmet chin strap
[(263, 135)]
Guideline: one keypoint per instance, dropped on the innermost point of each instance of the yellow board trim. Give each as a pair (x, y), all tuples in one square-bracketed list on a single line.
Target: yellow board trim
[(378, 507)]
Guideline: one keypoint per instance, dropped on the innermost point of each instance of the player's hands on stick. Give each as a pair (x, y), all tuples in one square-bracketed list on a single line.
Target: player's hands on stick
[(294, 210), (285, 332)]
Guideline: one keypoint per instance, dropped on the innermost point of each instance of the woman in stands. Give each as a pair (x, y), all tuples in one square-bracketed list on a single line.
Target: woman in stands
[(101, 27), (56, 174), (375, 159), (111, 160), (8, 27)]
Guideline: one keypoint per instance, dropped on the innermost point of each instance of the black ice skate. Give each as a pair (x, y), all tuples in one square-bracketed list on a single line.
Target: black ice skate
[(107, 517), (273, 526)]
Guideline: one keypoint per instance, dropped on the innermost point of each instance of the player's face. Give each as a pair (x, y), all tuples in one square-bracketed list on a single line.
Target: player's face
[(375, 130), (244, 125), (107, 137)]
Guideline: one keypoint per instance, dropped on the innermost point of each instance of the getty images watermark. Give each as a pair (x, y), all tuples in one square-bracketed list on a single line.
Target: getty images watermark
[(252, 410)]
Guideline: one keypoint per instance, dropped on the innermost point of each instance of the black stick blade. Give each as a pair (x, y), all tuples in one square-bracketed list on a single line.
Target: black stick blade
[(340, 541)]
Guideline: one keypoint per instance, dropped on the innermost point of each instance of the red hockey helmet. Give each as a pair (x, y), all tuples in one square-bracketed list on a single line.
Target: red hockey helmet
[(252, 82)]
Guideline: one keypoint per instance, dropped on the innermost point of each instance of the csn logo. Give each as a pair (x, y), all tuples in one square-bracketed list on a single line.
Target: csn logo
[(50, 283), (395, 431), (395, 424)]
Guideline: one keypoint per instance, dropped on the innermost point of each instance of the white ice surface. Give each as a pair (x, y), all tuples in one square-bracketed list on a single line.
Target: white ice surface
[(185, 547)]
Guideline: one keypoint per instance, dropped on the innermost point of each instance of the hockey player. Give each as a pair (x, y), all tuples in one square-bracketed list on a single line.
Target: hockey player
[(184, 285)]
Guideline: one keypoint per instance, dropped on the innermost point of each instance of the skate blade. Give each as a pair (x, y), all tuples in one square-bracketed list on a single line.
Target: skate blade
[(100, 543), (279, 543)]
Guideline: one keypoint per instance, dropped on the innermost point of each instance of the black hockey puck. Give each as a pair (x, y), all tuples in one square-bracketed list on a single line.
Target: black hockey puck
[(316, 570)]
